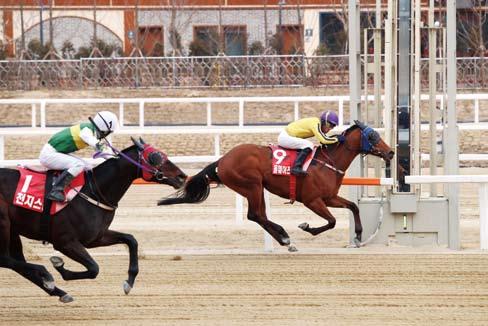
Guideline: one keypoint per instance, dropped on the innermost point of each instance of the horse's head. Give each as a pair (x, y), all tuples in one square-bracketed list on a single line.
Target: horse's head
[(369, 141), (157, 167)]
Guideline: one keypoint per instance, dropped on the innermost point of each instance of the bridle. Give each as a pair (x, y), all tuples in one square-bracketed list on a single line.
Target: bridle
[(147, 154)]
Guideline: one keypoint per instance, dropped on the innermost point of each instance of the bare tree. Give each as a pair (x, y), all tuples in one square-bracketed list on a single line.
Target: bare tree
[(470, 25)]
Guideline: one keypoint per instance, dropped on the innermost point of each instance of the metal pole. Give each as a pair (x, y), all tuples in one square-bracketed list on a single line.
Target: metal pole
[(354, 91), (432, 95), (452, 151), (404, 95)]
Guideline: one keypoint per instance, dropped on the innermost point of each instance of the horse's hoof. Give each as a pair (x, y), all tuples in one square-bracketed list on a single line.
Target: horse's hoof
[(50, 285), (127, 287), (357, 243), (66, 298), (57, 261), (292, 248), (286, 241), (304, 226)]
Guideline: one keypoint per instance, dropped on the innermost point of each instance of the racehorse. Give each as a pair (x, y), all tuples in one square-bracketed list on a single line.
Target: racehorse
[(247, 170), (81, 224)]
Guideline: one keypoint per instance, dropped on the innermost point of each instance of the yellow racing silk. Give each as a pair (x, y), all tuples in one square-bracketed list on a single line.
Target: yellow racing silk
[(309, 127)]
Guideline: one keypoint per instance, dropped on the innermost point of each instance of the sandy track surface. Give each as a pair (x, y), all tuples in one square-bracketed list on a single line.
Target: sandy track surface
[(222, 277)]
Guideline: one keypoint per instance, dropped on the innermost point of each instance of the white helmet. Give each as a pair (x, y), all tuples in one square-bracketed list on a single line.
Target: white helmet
[(106, 122)]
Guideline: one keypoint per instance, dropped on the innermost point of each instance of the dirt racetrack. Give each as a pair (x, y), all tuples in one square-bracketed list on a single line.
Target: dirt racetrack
[(197, 267)]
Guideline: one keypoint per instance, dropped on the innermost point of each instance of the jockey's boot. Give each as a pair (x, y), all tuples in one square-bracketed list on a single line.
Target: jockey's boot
[(57, 193), (298, 166)]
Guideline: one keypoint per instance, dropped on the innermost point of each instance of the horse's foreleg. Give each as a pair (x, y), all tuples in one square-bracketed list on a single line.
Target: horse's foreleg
[(78, 253), (113, 237), (318, 207), (340, 202), (257, 213)]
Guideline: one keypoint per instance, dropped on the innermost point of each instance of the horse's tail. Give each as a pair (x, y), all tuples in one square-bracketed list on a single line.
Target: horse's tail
[(196, 189)]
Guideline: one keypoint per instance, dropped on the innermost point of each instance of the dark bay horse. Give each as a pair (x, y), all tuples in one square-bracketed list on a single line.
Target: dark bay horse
[(81, 224), (247, 170)]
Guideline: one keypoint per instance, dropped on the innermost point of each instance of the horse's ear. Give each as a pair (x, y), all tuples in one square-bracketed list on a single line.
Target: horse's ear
[(138, 144), (360, 124), (142, 141)]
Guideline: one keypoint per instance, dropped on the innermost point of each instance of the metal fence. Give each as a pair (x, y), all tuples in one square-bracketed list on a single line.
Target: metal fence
[(218, 71)]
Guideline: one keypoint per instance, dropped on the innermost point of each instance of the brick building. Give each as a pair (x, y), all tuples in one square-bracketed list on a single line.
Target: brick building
[(149, 22)]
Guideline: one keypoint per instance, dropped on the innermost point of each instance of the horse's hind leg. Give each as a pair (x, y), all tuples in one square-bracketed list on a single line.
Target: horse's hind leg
[(318, 207), (11, 257), (78, 253), (113, 237), (17, 253)]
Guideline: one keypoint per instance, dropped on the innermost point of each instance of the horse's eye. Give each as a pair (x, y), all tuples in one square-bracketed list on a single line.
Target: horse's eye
[(155, 158)]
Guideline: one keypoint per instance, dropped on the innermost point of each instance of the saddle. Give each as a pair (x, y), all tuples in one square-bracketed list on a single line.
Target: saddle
[(283, 159), (33, 185), (282, 162)]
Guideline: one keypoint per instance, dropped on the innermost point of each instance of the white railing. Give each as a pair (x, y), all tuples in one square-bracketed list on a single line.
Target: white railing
[(482, 180), (217, 132), (41, 105)]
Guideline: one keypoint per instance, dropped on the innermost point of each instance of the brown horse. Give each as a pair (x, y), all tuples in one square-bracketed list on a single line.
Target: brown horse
[(247, 170)]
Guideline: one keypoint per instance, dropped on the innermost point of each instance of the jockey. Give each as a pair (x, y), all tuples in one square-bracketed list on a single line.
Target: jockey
[(56, 154), (295, 133)]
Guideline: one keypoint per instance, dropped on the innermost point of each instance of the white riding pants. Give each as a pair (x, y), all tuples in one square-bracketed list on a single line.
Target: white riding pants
[(288, 141), (54, 160)]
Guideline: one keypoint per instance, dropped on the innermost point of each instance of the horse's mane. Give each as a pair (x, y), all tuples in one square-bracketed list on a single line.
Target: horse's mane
[(114, 160), (351, 128), (344, 133)]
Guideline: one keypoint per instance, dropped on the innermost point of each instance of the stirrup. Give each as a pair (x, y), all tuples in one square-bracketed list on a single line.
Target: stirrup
[(56, 195), (299, 173)]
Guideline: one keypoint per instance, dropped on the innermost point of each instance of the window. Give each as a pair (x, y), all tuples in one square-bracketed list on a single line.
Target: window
[(235, 40)]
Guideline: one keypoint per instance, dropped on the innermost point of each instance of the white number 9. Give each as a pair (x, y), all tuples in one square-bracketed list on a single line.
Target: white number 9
[(279, 155)]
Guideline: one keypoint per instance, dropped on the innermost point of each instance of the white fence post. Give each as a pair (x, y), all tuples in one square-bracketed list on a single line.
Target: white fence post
[(121, 114), (241, 113), (209, 113), (483, 200), (476, 111), (217, 145), (239, 209), (141, 114), (33, 118), (43, 114), (296, 111)]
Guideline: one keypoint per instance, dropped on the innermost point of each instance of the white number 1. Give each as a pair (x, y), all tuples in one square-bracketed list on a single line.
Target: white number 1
[(27, 182)]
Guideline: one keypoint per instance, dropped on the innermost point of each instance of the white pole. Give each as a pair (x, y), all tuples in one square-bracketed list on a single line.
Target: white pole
[(239, 209), (241, 113), (121, 113), (217, 145), (33, 110), (483, 200), (43, 114), (296, 111), (209, 113), (268, 240), (141, 114)]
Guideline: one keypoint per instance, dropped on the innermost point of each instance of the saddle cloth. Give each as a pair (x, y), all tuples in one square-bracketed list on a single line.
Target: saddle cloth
[(283, 159), (32, 187)]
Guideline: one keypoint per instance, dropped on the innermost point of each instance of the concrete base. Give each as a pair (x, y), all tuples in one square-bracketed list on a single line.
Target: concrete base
[(428, 226)]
